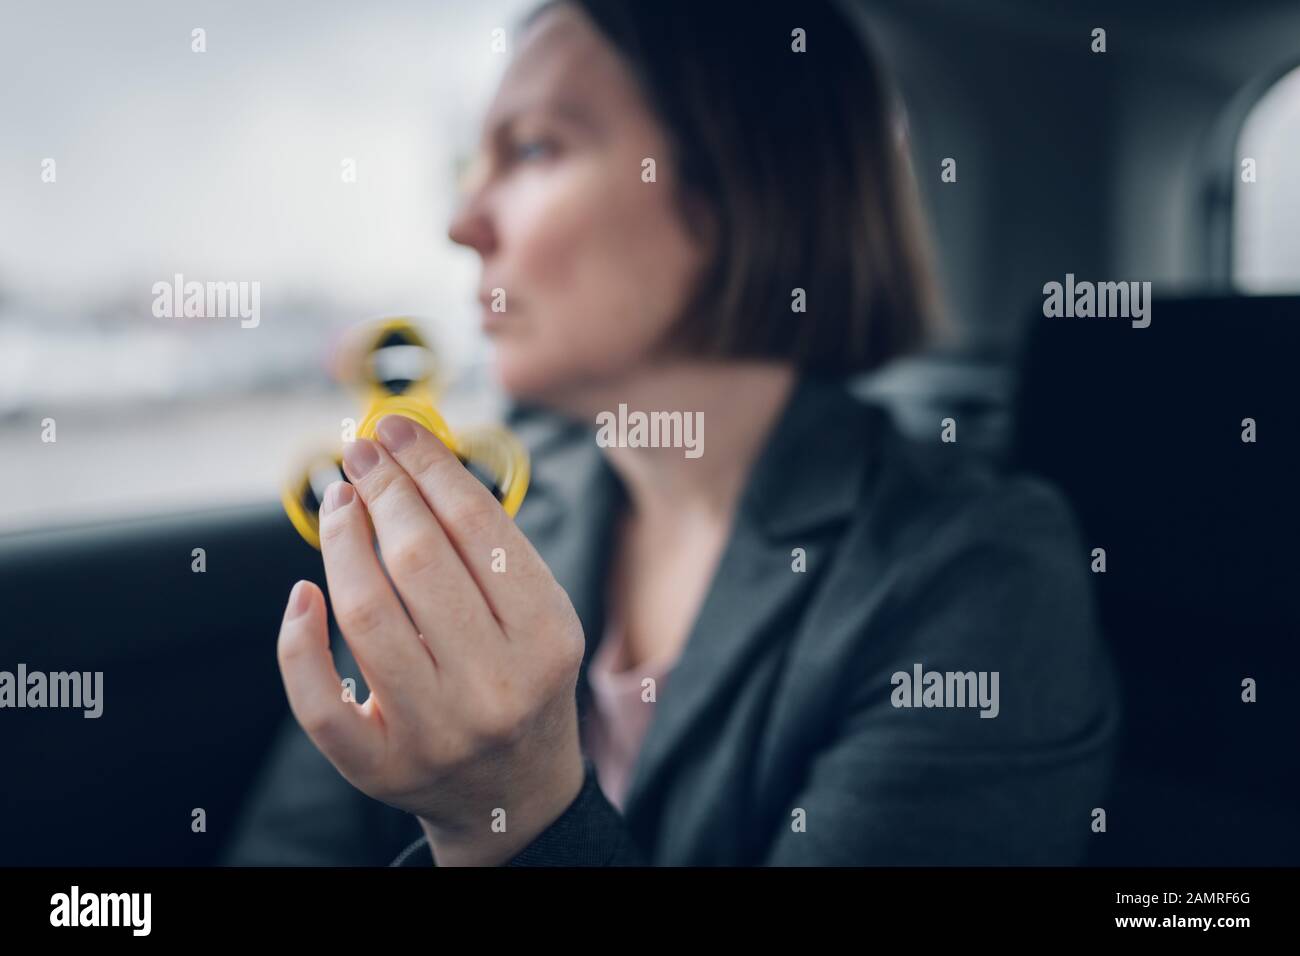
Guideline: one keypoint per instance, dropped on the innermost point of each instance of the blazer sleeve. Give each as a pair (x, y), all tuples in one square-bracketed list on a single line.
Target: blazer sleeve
[(897, 785), (591, 832)]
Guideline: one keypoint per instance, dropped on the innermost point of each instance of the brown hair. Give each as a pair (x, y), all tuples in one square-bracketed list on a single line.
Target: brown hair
[(795, 155)]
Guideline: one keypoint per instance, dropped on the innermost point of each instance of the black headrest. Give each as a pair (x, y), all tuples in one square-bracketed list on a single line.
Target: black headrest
[(1142, 428)]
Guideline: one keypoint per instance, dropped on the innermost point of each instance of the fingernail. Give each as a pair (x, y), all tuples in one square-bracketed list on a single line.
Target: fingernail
[(396, 432), (299, 599), (360, 456), (336, 496)]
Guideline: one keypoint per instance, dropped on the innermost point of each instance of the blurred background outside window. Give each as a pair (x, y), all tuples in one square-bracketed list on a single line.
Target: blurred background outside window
[(226, 165)]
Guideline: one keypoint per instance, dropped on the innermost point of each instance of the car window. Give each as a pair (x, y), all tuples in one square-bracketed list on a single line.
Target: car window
[(304, 160), (1266, 200)]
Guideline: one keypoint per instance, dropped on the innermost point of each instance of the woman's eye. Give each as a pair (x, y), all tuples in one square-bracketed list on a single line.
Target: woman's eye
[(533, 149)]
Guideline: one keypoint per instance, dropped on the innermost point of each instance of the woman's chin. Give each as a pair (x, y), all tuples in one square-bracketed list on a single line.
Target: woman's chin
[(521, 379), (534, 384)]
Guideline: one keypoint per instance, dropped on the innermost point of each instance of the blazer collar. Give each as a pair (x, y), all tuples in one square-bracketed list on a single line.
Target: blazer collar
[(811, 468), (807, 479)]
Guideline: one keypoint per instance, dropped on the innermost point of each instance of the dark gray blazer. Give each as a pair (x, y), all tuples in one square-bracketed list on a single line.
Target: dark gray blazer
[(780, 737)]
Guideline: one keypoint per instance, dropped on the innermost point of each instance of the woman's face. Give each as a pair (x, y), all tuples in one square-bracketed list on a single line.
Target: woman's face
[(594, 264)]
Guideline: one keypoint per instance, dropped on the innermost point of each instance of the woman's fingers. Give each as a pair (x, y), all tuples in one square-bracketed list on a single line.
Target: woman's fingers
[(394, 660), (343, 732), (474, 522), (438, 592)]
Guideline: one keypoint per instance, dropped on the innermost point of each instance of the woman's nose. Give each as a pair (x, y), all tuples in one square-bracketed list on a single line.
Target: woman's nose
[(470, 226)]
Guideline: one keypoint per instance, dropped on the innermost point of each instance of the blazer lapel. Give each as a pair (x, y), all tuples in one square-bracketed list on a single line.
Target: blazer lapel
[(805, 482)]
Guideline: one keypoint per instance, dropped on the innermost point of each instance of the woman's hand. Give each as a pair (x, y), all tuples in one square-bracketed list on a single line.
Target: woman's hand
[(471, 723)]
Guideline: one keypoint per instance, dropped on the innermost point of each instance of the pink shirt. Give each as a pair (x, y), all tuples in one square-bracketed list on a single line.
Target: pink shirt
[(618, 718)]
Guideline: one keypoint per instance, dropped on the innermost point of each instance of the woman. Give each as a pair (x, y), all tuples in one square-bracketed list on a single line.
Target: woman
[(811, 643)]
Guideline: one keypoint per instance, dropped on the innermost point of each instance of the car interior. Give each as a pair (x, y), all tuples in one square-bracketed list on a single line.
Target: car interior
[(1121, 165)]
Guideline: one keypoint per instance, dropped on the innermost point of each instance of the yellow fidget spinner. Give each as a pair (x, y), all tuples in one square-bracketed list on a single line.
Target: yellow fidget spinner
[(397, 372)]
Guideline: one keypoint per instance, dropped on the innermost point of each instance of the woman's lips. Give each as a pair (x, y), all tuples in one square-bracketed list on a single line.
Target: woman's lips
[(493, 320), (489, 320)]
